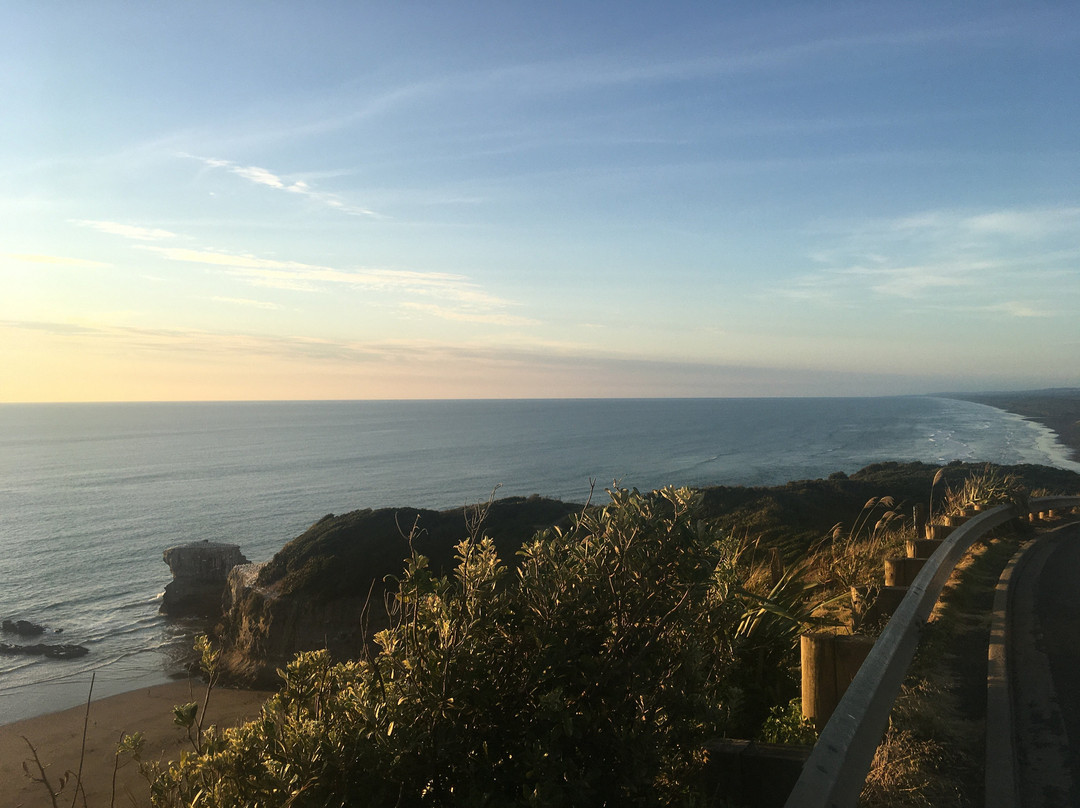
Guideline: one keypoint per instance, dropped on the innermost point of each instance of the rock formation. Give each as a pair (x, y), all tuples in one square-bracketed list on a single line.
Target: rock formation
[(200, 570), (53, 650), (326, 588), (24, 628)]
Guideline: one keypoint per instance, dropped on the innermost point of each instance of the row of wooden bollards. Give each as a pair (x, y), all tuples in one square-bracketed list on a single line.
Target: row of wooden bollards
[(1047, 516), (763, 775), (830, 661)]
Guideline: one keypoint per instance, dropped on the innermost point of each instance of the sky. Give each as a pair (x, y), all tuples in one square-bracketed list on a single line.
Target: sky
[(273, 200)]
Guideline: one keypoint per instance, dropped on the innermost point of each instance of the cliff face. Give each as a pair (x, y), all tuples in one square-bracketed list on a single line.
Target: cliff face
[(313, 593), (200, 570)]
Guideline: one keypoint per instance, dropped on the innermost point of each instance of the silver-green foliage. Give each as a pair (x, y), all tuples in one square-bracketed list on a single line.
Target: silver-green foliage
[(590, 674)]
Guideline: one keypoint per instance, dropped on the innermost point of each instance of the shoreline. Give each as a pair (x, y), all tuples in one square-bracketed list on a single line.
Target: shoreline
[(57, 737), (1057, 410)]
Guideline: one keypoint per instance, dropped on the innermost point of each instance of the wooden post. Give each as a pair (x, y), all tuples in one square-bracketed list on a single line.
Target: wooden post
[(776, 565), (938, 532), (920, 520), (886, 603), (829, 663), (922, 548), (902, 571)]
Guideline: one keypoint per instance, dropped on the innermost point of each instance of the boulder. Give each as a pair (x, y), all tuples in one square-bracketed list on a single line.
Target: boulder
[(24, 628), (55, 651), (200, 571)]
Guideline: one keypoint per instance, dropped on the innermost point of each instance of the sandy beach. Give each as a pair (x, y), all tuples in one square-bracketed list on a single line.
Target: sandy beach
[(58, 738), (1059, 410)]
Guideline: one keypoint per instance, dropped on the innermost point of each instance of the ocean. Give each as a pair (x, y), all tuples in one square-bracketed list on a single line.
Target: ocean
[(92, 494)]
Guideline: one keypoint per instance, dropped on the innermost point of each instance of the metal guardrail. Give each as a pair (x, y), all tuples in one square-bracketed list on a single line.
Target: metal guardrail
[(833, 775)]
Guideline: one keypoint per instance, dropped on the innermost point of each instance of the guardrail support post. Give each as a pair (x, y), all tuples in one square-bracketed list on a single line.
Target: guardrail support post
[(922, 548), (902, 571), (886, 603), (938, 532), (836, 769), (829, 663)]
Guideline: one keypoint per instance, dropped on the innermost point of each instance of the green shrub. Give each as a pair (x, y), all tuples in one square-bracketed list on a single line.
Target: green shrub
[(787, 724), (591, 674)]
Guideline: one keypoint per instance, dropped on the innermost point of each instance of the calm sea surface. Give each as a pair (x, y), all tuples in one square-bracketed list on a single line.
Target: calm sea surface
[(91, 494)]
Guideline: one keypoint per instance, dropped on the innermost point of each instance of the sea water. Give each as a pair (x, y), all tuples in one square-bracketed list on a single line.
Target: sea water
[(92, 494)]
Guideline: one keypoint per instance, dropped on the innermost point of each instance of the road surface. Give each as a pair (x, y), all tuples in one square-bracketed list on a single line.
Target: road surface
[(1044, 659)]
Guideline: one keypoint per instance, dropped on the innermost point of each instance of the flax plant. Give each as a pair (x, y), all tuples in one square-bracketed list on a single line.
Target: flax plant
[(854, 556), (986, 488)]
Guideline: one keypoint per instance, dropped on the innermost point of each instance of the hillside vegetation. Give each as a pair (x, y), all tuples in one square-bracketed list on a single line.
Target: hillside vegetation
[(587, 665)]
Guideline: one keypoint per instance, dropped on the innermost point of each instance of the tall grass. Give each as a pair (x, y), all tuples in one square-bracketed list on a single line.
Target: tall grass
[(850, 559)]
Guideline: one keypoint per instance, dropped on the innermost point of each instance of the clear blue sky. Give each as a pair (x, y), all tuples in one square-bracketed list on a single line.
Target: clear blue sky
[(272, 200)]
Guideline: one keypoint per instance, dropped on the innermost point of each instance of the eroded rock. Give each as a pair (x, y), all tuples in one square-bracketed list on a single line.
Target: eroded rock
[(327, 588), (53, 650), (200, 570), (24, 628)]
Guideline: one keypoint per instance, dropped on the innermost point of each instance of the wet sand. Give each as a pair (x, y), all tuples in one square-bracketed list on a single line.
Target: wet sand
[(58, 738), (1057, 409)]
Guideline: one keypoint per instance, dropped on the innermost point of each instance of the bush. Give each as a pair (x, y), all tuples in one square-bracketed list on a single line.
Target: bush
[(592, 674)]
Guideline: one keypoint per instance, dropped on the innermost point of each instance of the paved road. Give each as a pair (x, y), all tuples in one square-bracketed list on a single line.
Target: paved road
[(1044, 652)]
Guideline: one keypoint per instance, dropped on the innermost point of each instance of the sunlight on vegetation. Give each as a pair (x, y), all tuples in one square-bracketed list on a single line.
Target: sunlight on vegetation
[(595, 668), (592, 672)]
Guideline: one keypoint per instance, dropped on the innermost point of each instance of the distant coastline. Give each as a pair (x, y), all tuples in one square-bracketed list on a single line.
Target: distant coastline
[(1057, 409)]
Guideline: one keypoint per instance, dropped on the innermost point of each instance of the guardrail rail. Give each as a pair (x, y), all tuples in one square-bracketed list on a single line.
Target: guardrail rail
[(833, 775)]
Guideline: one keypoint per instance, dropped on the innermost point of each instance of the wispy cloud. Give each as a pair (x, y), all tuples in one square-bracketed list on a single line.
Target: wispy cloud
[(243, 301), (430, 368), (127, 230), (469, 316), (184, 341), (1015, 308), (52, 328), (1002, 261), (480, 305), (258, 175), (1011, 223), (913, 281), (35, 258), (263, 176)]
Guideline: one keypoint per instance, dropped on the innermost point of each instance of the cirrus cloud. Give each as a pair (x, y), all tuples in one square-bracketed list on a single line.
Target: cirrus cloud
[(126, 230), (265, 177), (62, 260), (475, 304)]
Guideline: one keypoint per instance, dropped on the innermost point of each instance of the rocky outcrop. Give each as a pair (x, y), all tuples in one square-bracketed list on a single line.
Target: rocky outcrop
[(53, 650), (200, 571), (326, 588), (262, 630), (24, 628)]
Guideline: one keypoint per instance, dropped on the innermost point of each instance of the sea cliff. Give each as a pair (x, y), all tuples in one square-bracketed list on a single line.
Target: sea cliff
[(327, 588)]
